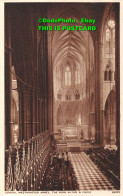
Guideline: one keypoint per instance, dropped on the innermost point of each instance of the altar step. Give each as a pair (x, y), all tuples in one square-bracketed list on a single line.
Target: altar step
[(68, 141), (75, 147), (74, 144)]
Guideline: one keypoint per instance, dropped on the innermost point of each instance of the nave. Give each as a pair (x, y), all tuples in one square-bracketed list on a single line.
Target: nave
[(62, 98)]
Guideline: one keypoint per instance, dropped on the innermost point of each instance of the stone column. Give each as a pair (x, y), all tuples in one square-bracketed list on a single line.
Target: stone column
[(37, 113), (91, 123), (25, 113), (40, 126), (98, 89), (22, 113), (8, 100), (101, 48), (34, 131), (28, 113), (20, 116), (117, 71), (10, 84), (50, 84)]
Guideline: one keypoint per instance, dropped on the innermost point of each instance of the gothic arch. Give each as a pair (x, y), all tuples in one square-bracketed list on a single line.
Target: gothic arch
[(108, 14), (59, 116), (68, 95), (77, 115), (68, 115), (77, 94), (110, 119)]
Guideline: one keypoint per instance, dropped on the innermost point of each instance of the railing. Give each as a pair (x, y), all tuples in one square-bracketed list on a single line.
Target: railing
[(26, 163)]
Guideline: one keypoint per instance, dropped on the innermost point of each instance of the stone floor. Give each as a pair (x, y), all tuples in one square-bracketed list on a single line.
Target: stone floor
[(88, 175)]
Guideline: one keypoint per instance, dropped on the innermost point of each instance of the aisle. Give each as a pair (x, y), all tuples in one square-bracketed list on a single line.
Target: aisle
[(88, 175)]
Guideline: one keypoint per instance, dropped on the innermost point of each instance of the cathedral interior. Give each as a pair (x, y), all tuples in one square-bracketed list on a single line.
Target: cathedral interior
[(62, 98)]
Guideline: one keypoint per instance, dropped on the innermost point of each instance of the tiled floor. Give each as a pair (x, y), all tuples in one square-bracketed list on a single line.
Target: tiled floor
[(88, 175)]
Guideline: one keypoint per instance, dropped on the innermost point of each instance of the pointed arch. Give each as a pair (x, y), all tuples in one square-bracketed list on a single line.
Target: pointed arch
[(110, 118), (68, 95), (77, 94), (59, 116), (68, 115), (77, 115)]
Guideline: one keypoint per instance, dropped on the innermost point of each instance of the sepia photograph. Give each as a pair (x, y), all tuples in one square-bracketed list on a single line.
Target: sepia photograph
[(61, 97)]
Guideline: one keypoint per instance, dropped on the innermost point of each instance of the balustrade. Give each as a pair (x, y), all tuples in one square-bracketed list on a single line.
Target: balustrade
[(26, 164)]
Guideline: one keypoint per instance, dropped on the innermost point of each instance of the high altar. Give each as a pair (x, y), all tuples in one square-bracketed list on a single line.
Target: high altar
[(70, 132)]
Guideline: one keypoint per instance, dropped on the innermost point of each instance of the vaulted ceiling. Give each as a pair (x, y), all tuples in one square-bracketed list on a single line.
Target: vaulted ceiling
[(73, 44), (65, 44), (70, 44)]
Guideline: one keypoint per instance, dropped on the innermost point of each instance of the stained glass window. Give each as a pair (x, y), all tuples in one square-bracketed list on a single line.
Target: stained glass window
[(108, 35), (68, 76), (77, 76), (111, 23)]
